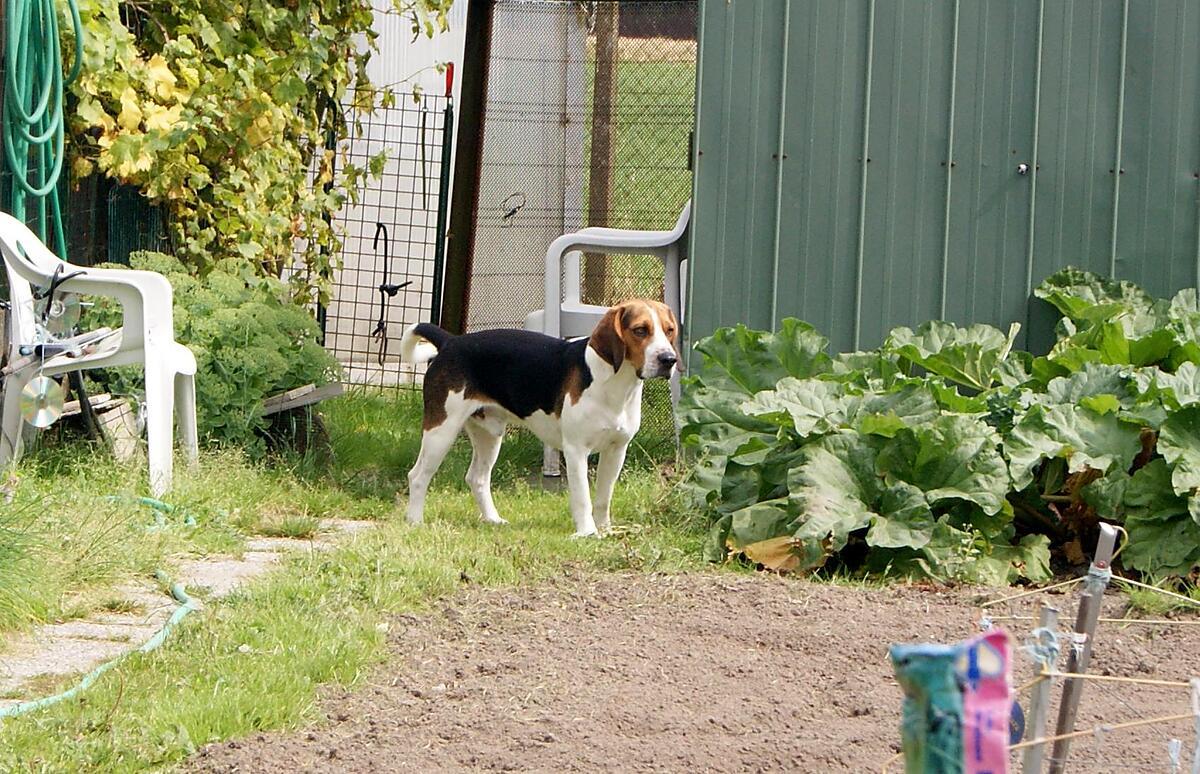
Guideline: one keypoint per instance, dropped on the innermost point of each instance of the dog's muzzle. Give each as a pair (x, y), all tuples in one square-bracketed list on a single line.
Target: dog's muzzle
[(662, 365)]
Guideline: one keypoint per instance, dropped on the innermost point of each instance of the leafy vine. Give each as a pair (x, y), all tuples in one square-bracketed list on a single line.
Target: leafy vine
[(223, 114)]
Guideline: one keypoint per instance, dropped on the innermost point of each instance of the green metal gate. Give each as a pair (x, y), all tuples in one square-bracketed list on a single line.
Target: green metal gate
[(865, 164)]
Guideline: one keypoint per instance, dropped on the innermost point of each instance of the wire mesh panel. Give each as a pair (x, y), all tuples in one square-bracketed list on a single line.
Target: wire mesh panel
[(389, 240), (587, 121), (558, 155)]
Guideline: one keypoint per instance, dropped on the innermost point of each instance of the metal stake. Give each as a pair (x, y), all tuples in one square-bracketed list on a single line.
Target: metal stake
[(1039, 704), (1081, 647)]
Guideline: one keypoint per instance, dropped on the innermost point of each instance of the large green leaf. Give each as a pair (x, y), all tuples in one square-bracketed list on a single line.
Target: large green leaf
[(969, 356), (712, 420), (809, 406), (834, 487), (1149, 495), (1161, 547), (1134, 338), (1092, 381), (1082, 295), (739, 358), (902, 518), (949, 398), (876, 369), (1084, 438), (1179, 444), (714, 426), (1106, 495), (760, 521), (1182, 387), (955, 457), (836, 491), (1163, 535), (968, 555), (818, 406), (909, 403)]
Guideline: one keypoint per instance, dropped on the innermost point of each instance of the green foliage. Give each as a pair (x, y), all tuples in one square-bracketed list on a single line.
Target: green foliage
[(978, 468), (249, 339), (221, 113)]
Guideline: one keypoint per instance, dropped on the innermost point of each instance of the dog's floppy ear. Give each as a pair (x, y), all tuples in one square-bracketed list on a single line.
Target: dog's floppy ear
[(607, 338)]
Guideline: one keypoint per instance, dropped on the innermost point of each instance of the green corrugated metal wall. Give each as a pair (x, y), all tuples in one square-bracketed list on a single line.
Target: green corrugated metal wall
[(857, 161)]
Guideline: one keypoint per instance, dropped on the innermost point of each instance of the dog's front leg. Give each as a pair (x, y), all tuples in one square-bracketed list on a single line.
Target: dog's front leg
[(581, 497), (611, 462)]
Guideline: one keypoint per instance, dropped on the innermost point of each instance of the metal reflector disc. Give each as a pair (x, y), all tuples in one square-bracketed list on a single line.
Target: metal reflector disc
[(63, 314), (41, 401)]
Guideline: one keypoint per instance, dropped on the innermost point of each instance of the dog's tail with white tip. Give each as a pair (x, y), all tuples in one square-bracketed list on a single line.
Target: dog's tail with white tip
[(421, 343)]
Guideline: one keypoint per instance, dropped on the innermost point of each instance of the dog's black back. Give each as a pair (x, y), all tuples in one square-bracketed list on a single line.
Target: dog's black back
[(522, 371)]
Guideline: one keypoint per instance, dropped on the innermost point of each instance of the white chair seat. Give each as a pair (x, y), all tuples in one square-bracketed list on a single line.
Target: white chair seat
[(146, 337), (570, 317), (575, 319)]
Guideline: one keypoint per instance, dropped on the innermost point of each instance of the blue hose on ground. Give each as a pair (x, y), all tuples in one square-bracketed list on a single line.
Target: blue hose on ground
[(186, 606)]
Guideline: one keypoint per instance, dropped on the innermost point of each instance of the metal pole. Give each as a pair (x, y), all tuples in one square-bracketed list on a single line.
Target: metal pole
[(443, 207), (604, 139), (1039, 704), (1081, 646), (864, 160)]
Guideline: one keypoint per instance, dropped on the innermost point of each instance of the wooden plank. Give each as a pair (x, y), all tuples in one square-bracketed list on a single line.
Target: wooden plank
[(1039, 704), (278, 400), (72, 407), (118, 421), (301, 396)]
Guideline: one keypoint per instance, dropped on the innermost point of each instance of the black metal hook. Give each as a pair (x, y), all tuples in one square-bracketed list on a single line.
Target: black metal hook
[(512, 204), (387, 289)]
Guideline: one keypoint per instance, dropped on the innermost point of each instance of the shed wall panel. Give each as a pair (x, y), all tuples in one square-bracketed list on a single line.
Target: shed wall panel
[(857, 162)]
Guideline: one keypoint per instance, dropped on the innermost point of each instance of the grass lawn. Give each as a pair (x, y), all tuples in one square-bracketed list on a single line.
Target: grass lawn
[(254, 660)]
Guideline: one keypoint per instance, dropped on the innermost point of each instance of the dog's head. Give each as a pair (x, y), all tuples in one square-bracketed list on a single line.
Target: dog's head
[(644, 333)]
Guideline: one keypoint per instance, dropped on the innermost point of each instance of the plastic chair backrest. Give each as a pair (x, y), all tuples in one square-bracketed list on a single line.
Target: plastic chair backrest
[(27, 262), (682, 229)]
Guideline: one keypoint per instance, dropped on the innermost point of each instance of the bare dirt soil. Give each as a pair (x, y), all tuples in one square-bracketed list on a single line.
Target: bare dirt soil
[(702, 672)]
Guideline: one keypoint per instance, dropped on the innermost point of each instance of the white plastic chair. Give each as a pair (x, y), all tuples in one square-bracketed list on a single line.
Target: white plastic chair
[(572, 318), (147, 336)]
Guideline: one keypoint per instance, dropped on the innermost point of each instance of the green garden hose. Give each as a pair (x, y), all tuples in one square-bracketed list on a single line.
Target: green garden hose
[(33, 137), (33, 131), (186, 605)]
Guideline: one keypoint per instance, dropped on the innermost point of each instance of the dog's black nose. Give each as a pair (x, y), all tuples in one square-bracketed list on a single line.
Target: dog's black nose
[(667, 359)]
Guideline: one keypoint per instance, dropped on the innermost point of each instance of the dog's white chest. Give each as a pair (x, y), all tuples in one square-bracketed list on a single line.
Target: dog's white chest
[(547, 427), (597, 422)]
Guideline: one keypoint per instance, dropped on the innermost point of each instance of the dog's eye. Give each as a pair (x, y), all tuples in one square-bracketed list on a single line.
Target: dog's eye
[(641, 330)]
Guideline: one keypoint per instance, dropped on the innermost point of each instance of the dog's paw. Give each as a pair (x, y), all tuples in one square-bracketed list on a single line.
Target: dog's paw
[(582, 535), (498, 520)]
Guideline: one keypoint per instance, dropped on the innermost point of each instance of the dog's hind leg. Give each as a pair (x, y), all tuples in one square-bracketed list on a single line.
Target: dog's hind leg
[(485, 433), (435, 443)]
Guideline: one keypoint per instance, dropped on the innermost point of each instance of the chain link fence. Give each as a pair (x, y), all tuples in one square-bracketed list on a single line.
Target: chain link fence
[(587, 122), (589, 111)]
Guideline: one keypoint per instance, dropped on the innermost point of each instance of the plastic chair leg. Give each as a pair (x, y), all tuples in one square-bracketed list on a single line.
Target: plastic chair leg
[(10, 419), (185, 410), (551, 462), (160, 410)]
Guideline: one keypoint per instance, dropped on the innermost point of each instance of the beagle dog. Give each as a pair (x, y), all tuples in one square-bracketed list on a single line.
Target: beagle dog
[(580, 396)]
